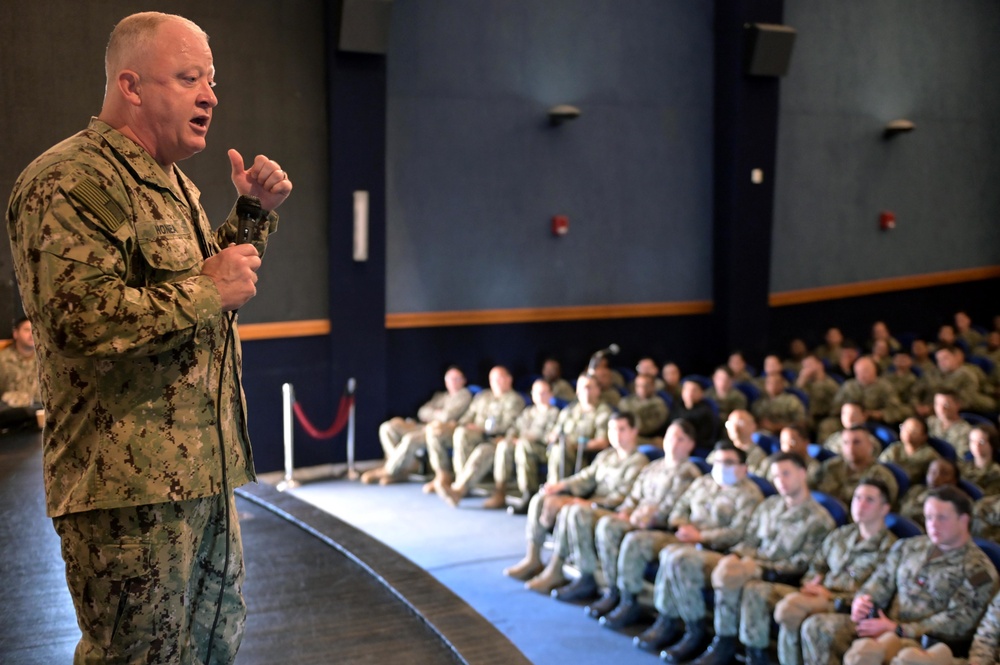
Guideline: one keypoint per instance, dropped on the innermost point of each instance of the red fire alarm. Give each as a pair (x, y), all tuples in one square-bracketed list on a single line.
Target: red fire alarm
[(560, 225), (887, 220)]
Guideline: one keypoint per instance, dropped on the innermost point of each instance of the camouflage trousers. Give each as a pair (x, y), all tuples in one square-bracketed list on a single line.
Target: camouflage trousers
[(145, 582), (826, 638), (580, 521), (401, 441), (535, 531), (637, 549), (685, 572), (562, 461), (479, 461), (440, 441), (759, 601), (523, 456)]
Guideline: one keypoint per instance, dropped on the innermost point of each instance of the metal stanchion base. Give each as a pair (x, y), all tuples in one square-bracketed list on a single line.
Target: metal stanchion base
[(287, 484)]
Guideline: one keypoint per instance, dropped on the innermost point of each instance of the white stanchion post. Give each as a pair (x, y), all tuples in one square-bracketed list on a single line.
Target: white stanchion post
[(352, 473), (287, 400)]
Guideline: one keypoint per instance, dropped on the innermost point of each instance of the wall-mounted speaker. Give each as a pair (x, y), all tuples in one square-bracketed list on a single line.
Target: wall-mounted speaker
[(364, 26), (768, 48)]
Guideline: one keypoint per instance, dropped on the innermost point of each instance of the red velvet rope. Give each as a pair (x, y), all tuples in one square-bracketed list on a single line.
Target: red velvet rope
[(343, 411)]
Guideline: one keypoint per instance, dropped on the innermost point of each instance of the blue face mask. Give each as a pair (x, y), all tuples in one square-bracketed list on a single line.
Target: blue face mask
[(724, 475)]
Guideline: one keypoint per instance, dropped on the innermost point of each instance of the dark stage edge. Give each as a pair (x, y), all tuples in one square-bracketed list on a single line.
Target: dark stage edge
[(317, 590)]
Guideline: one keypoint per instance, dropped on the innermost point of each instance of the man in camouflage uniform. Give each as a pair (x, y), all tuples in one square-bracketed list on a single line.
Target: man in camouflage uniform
[(783, 534), (986, 518), (403, 438), (844, 561), (606, 483), (610, 394), (838, 476), (793, 439), (911, 453), (851, 414), (648, 407), (491, 412), (581, 425), (522, 445), (947, 424), (775, 408), (722, 392), (941, 472), (986, 644), (711, 515), (647, 505), (902, 376), (938, 585), (128, 290), (19, 393), (818, 387), (561, 388), (955, 376), (875, 394), (740, 427)]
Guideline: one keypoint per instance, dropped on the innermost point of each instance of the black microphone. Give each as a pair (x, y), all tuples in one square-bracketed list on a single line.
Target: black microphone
[(612, 350), (248, 215)]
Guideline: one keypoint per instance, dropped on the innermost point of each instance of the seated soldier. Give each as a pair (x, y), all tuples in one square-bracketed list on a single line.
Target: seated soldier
[(772, 367), (838, 476), (793, 439), (783, 535), (962, 380), (606, 483), (920, 350), (829, 350), (797, 352), (722, 392), (844, 561), (605, 377), (561, 388), (941, 472), (20, 397), (647, 506), (902, 378), (880, 331), (852, 414), (937, 585), (946, 423), (737, 364), (775, 408), (740, 427), (982, 469), (911, 453), (694, 409), (882, 356), (712, 515), (844, 364), (580, 428), (648, 367), (403, 438), (523, 447), (671, 375), (819, 388), (491, 412), (874, 393), (986, 518), (965, 332), (648, 407)]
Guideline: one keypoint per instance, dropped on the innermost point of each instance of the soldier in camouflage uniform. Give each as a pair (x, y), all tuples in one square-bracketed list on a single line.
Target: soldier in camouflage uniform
[(962, 380), (605, 483), (711, 515), (874, 393), (982, 469), (523, 440), (986, 518), (986, 644), (740, 427), (938, 585), (403, 438), (793, 439), (647, 505), (911, 453), (839, 476), (561, 388), (775, 408), (941, 472), (947, 424), (648, 407), (818, 387), (722, 392), (19, 393), (584, 423), (783, 535), (844, 561), (128, 290), (610, 394), (491, 412), (902, 377)]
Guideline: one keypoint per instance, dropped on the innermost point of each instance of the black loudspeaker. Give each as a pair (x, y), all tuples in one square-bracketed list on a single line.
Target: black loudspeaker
[(364, 26), (768, 48)]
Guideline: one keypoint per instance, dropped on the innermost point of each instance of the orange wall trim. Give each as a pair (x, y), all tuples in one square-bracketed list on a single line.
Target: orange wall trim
[(544, 314), (838, 291), (281, 330)]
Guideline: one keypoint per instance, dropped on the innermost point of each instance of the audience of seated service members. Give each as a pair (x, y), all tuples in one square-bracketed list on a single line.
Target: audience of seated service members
[(403, 438), (647, 506), (605, 482)]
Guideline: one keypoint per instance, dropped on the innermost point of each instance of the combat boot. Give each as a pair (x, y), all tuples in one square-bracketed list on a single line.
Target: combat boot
[(664, 631), (693, 643), (626, 614), (548, 579), (755, 656), (722, 651), (497, 500), (527, 567), (605, 604), (582, 588)]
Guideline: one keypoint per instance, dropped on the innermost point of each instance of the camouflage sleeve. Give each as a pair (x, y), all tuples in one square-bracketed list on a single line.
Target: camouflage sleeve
[(477, 404), (75, 268), (635, 492), (680, 514), (724, 537), (751, 539), (986, 644), (601, 419), (682, 481), (965, 606), (426, 413), (626, 480), (881, 586), (815, 529), (513, 405), (893, 409)]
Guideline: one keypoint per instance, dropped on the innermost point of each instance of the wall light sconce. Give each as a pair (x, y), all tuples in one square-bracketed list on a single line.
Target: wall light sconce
[(900, 126), (562, 113)]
